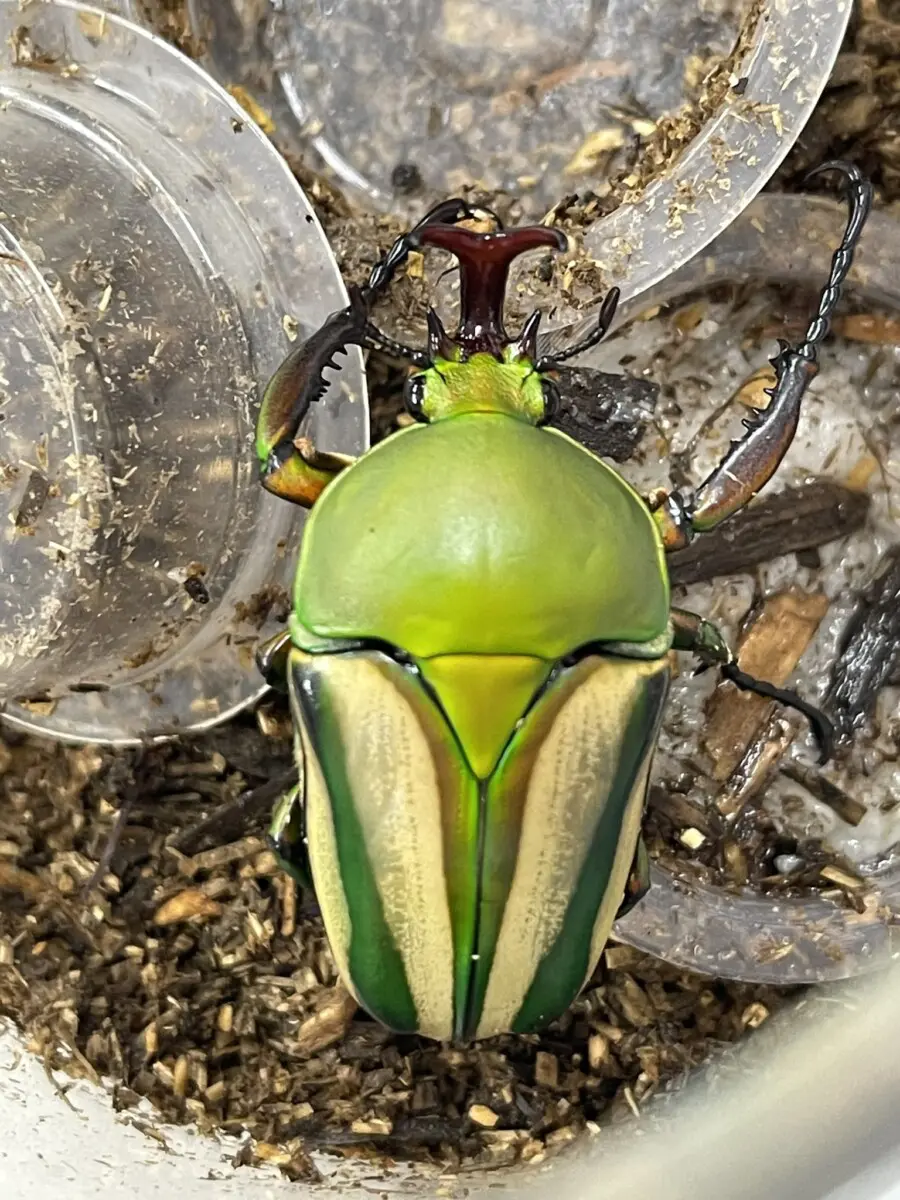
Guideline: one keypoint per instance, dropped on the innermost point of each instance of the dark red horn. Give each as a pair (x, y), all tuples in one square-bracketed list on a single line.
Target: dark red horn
[(484, 262)]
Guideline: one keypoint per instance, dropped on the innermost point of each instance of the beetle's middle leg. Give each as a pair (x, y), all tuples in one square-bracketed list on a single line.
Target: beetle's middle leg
[(698, 636), (753, 459), (272, 660), (287, 836)]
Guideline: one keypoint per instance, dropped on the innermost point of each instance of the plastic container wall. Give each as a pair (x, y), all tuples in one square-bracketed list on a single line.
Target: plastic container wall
[(157, 256), (406, 102), (802, 1111)]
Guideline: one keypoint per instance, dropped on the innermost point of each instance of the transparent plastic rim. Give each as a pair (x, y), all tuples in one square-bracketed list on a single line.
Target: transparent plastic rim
[(729, 161), (726, 164)]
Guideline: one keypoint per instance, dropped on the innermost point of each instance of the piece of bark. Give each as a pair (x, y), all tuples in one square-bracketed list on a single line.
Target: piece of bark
[(824, 790), (769, 650), (759, 763), (606, 413), (328, 1023), (869, 655), (791, 521)]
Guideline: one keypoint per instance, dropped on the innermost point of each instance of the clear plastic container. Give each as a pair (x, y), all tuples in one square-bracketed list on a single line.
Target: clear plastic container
[(746, 935), (401, 99), (155, 253)]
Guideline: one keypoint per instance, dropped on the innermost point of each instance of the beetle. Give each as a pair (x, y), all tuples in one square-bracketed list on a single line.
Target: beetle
[(478, 654)]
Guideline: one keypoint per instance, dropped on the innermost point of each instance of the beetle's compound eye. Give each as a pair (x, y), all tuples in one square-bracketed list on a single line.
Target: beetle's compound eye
[(414, 395), (551, 400)]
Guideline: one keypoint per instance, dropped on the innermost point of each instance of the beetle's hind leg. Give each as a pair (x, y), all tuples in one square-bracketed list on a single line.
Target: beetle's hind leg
[(638, 884), (290, 466), (753, 459), (700, 637), (287, 832)]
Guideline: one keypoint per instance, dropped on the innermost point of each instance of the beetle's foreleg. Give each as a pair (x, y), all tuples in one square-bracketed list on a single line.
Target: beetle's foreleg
[(290, 466), (753, 459), (700, 637), (287, 836)]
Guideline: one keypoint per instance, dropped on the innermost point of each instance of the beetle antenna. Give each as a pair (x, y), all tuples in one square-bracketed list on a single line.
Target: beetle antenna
[(859, 198), (822, 728), (374, 339), (597, 334), (448, 212)]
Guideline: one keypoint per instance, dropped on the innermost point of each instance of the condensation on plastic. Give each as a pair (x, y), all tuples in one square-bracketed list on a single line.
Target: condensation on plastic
[(504, 90), (745, 935), (152, 243)]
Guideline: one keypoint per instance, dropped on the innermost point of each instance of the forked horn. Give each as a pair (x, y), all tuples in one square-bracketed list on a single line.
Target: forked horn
[(484, 262)]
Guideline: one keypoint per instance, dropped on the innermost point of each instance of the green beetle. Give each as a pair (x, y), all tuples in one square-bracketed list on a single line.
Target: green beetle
[(478, 654)]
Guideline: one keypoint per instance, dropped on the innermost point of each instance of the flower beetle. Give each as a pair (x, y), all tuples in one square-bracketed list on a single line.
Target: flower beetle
[(478, 653)]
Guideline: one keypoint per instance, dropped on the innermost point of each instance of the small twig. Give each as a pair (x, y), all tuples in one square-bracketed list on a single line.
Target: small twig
[(109, 849), (829, 793), (229, 822), (801, 518), (221, 855), (420, 1131)]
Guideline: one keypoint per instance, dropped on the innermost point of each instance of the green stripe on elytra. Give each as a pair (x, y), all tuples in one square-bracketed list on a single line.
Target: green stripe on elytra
[(563, 969), (375, 964)]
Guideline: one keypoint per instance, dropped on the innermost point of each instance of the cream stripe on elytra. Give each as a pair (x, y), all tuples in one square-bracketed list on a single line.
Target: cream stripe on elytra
[(397, 799), (323, 856), (631, 829), (569, 784)]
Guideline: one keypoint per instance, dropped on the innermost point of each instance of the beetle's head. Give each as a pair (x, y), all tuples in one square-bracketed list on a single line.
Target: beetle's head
[(480, 368)]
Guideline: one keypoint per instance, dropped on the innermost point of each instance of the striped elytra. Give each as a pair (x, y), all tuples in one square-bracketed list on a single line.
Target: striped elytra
[(460, 906)]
